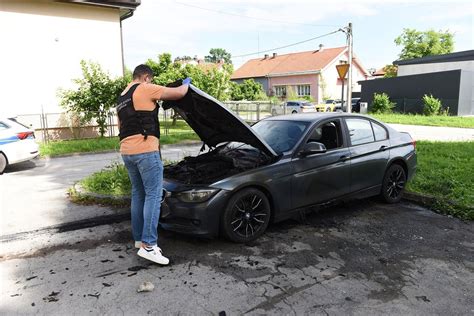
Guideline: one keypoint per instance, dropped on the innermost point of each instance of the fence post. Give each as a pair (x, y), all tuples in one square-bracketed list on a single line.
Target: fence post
[(258, 111)]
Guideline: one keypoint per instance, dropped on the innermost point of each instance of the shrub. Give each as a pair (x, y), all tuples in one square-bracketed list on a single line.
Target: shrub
[(431, 105), (381, 104)]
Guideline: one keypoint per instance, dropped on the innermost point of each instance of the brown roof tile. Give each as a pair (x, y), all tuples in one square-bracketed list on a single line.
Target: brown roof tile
[(288, 63)]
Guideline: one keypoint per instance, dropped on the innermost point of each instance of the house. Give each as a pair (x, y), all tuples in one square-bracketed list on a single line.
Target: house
[(448, 77), (309, 73), (43, 42)]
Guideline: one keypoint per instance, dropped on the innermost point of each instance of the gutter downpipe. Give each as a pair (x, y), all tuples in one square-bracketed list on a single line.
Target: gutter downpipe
[(125, 16)]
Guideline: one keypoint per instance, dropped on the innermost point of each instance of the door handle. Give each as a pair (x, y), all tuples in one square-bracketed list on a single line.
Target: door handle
[(383, 148), (343, 158)]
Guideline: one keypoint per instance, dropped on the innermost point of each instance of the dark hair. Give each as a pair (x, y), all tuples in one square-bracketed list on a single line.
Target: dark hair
[(142, 70)]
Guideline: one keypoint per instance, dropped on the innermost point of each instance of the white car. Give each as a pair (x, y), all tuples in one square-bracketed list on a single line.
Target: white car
[(293, 107), (17, 143)]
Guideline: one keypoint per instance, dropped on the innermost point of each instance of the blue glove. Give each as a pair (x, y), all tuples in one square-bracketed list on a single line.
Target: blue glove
[(187, 80)]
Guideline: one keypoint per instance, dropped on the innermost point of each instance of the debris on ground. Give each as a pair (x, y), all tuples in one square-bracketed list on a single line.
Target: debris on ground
[(146, 287), (51, 297)]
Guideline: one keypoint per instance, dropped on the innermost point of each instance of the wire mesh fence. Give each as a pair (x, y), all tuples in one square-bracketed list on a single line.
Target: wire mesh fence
[(66, 126), (415, 106)]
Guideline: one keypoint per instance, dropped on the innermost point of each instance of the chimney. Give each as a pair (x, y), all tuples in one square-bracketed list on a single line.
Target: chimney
[(274, 55), (321, 47), (266, 56)]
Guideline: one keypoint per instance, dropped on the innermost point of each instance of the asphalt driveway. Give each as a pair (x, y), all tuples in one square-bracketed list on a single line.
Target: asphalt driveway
[(363, 258), (33, 194)]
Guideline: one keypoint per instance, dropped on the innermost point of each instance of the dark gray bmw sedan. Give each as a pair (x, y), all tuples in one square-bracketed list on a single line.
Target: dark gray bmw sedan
[(251, 176)]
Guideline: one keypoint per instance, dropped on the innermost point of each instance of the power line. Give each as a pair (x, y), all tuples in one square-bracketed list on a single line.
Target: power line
[(251, 17), (289, 45)]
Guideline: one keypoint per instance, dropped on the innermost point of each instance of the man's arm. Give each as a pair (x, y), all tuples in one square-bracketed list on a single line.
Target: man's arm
[(174, 93)]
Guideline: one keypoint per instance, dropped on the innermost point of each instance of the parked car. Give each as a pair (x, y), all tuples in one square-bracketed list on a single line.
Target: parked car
[(355, 105), (327, 106), (17, 143), (293, 107), (254, 175)]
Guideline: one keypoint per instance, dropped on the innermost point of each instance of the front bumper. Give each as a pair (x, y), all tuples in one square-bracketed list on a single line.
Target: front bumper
[(201, 219)]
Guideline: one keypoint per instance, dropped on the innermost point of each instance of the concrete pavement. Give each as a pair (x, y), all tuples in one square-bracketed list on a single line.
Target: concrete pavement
[(364, 258), (435, 133), (33, 194)]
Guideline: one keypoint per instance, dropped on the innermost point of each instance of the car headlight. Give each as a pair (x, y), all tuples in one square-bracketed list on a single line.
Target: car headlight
[(196, 195)]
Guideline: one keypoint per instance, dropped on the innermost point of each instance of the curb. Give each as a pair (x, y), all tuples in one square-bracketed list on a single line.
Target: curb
[(79, 192), (424, 200)]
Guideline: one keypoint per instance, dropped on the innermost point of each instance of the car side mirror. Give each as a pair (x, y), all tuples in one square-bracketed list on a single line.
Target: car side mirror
[(313, 148)]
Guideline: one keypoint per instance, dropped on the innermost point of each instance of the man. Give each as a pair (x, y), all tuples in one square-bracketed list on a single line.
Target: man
[(139, 145)]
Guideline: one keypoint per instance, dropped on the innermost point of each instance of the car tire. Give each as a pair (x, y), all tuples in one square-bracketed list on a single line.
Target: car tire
[(246, 216), (393, 184), (3, 163)]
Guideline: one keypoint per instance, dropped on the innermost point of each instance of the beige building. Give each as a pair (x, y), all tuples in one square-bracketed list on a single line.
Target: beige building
[(43, 42)]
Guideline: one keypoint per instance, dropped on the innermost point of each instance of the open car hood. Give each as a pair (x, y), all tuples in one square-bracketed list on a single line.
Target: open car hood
[(213, 122)]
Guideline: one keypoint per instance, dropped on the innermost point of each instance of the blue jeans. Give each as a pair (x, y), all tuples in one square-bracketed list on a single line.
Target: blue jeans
[(146, 175)]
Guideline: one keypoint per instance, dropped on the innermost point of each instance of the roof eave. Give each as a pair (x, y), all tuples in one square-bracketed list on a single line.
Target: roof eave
[(294, 73), (119, 4)]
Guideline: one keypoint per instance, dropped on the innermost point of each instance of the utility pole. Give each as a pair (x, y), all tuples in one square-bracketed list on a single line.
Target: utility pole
[(349, 75)]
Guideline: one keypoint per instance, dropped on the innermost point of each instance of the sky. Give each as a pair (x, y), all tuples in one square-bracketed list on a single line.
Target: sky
[(241, 27)]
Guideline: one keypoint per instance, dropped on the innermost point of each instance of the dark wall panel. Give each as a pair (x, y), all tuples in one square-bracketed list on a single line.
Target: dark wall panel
[(408, 91)]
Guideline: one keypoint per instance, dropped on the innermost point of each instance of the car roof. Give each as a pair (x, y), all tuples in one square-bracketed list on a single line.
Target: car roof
[(313, 117)]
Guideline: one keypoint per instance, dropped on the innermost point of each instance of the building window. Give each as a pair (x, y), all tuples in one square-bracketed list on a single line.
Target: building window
[(303, 90), (280, 91)]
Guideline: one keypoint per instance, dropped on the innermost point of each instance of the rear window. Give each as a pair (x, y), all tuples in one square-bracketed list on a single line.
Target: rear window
[(379, 132), (360, 131)]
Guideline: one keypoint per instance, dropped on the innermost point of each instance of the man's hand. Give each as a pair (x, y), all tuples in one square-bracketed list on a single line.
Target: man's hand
[(187, 80)]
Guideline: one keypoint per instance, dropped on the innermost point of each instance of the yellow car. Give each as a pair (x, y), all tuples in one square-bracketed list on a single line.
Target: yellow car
[(328, 106)]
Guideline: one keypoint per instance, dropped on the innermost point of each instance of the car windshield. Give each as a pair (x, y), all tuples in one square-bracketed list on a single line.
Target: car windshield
[(281, 136), (329, 101)]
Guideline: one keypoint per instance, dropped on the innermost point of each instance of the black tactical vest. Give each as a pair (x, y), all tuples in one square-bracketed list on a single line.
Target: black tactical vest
[(134, 122)]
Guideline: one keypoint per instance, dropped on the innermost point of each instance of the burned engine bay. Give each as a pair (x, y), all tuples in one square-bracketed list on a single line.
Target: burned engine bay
[(216, 164)]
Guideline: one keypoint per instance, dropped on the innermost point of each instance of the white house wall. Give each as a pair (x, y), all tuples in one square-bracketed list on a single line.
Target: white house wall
[(405, 70), (466, 93), (331, 77), (43, 43)]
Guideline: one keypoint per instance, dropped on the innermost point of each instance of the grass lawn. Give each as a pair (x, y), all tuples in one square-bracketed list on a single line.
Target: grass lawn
[(176, 134), (411, 119), (444, 172)]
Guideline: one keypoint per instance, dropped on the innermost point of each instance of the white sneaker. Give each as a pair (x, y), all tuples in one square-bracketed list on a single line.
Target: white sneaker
[(138, 244), (154, 255)]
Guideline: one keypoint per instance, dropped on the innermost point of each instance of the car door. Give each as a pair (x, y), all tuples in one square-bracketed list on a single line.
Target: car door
[(369, 152), (321, 177)]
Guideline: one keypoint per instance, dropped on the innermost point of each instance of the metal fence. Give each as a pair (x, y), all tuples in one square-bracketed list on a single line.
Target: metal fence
[(65, 126)]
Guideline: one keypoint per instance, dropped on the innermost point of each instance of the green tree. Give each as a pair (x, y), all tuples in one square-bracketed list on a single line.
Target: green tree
[(418, 44), (96, 93), (216, 54), (390, 71), (249, 90), (160, 66)]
